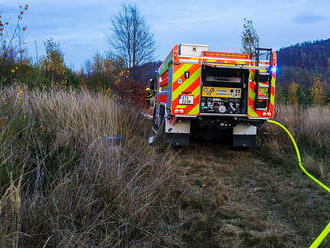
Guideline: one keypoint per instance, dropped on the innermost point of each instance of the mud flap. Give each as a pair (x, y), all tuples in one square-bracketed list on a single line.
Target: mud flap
[(244, 135), (178, 139), (177, 133)]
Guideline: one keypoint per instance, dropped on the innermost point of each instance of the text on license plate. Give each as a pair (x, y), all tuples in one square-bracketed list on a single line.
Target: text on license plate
[(186, 99)]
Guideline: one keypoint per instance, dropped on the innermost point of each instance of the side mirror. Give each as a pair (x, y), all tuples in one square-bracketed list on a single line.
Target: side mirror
[(152, 84)]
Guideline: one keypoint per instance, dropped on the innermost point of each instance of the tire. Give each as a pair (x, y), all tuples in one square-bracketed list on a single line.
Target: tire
[(162, 116), (154, 119)]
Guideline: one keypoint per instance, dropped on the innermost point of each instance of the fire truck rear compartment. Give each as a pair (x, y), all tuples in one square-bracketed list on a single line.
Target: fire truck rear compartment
[(224, 91)]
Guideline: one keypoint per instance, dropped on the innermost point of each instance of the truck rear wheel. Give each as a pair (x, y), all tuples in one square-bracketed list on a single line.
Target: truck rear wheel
[(154, 119), (158, 117)]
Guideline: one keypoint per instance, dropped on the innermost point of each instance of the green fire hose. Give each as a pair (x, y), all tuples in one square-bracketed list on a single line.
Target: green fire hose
[(326, 231)]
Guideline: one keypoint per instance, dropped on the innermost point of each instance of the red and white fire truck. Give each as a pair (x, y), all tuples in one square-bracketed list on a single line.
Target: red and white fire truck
[(204, 93)]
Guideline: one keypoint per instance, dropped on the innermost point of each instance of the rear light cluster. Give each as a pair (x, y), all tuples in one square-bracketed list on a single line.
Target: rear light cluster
[(178, 111)]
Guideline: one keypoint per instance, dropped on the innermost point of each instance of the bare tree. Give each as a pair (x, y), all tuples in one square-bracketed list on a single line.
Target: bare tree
[(250, 38), (130, 37), (12, 37), (88, 67), (97, 64)]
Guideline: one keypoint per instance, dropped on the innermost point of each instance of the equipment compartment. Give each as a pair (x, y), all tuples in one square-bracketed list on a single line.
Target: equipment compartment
[(224, 90)]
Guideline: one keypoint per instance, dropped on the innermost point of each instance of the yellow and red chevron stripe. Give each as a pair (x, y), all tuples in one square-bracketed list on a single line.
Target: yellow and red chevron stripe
[(252, 112), (188, 86)]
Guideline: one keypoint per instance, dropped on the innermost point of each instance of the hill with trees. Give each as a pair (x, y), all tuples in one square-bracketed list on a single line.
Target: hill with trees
[(300, 63), (304, 73)]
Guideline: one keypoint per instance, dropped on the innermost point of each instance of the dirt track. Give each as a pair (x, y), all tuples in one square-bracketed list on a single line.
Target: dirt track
[(236, 200)]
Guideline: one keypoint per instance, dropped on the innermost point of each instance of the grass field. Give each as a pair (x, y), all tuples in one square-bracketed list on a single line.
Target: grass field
[(65, 183)]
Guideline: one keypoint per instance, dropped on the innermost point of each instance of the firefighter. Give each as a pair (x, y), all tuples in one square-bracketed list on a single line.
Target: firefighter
[(150, 91), (148, 96)]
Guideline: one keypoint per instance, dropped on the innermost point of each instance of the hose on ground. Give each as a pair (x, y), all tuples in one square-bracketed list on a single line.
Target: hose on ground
[(326, 230), (326, 188)]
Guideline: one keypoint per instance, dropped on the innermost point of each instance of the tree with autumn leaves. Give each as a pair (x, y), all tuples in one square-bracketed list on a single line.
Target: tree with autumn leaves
[(292, 93), (15, 65), (53, 62), (316, 95), (317, 92)]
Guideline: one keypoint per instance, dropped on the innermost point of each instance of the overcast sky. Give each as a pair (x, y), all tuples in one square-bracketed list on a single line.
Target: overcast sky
[(80, 25)]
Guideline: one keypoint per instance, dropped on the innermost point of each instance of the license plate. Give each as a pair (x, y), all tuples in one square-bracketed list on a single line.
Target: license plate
[(186, 100)]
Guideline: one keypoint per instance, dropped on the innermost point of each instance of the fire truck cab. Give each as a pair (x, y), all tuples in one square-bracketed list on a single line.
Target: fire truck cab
[(204, 93)]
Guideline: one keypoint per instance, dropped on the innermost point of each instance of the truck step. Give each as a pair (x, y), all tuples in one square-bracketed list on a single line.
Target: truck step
[(262, 97), (263, 85)]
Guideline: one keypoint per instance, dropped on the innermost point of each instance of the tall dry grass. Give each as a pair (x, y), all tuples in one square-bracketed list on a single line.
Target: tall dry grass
[(65, 183), (313, 121), (302, 203), (311, 129)]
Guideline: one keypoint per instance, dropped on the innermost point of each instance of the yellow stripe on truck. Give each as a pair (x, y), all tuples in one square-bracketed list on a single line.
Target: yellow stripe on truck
[(196, 91), (181, 71), (194, 111), (252, 113), (186, 83)]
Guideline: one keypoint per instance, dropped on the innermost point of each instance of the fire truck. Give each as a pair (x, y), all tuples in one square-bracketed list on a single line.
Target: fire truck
[(210, 94)]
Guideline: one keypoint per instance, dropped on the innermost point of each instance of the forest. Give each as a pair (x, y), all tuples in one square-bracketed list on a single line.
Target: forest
[(304, 73)]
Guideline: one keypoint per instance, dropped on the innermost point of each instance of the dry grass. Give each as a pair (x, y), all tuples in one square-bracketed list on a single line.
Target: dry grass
[(64, 184), (302, 203), (313, 120), (311, 129), (259, 198), (224, 205)]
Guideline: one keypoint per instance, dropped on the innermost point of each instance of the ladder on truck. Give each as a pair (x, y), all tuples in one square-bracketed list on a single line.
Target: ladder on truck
[(263, 80)]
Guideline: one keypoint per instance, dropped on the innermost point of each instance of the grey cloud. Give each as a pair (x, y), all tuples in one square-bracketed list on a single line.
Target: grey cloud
[(307, 18)]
